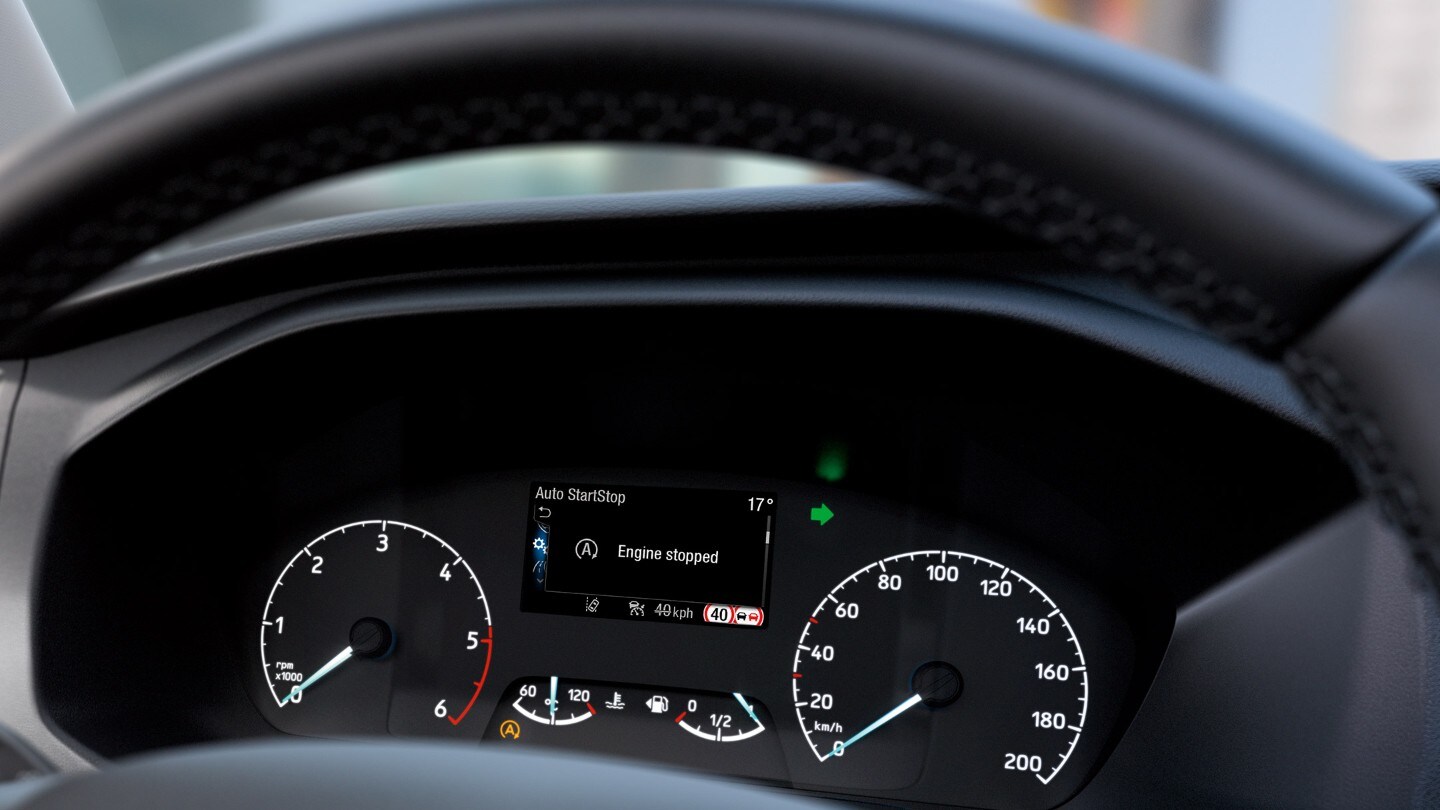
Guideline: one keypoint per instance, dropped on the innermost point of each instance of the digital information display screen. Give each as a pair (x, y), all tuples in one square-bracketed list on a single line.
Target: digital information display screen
[(687, 556)]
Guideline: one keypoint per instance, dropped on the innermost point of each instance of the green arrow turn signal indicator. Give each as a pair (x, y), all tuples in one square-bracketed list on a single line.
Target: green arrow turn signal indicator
[(821, 514)]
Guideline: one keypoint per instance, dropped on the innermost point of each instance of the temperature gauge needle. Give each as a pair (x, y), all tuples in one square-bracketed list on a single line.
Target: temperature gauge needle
[(887, 717), (320, 673)]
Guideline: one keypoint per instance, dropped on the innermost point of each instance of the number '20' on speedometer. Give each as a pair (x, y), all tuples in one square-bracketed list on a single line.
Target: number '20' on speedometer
[(944, 649)]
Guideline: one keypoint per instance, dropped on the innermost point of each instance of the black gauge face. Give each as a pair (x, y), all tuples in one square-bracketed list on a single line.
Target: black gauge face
[(940, 647), (703, 715), (723, 719), (726, 732), (380, 620), (551, 704)]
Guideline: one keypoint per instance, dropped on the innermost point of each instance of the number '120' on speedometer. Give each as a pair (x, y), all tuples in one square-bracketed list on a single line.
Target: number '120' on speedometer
[(943, 648)]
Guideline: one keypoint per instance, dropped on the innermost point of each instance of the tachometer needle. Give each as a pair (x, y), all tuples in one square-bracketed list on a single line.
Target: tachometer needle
[(319, 673), (887, 717)]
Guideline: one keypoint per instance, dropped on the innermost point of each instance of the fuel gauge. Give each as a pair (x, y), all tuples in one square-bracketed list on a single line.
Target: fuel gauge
[(720, 719), (722, 732)]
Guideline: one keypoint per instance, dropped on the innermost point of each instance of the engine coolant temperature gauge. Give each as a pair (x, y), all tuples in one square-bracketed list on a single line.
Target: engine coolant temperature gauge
[(552, 703), (724, 732)]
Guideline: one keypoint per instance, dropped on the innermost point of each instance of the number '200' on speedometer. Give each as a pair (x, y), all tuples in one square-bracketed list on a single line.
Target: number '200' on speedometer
[(941, 645)]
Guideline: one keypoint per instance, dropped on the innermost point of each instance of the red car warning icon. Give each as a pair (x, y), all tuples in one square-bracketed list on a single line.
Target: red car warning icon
[(734, 614)]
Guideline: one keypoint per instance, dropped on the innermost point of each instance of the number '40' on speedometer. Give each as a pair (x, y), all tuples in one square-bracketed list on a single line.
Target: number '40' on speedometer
[(940, 645)]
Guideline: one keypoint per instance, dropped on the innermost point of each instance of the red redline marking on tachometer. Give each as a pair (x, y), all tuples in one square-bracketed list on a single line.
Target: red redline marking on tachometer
[(681, 717), (455, 721), (480, 684), (814, 620), (591, 708), (795, 674)]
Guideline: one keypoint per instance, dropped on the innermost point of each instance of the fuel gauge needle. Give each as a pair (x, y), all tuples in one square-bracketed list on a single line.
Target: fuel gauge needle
[(339, 659), (750, 710), (887, 717)]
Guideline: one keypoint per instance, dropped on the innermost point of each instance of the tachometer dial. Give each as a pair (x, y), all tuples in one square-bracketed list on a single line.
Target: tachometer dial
[(363, 602), (985, 660)]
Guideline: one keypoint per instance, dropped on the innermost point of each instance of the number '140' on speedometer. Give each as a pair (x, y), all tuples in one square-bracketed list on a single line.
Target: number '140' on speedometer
[(983, 661)]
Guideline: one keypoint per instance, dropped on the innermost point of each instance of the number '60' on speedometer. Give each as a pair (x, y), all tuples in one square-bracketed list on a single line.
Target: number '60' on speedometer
[(940, 648)]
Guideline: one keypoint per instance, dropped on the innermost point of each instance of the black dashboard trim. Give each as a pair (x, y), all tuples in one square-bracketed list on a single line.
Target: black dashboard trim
[(820, 226)]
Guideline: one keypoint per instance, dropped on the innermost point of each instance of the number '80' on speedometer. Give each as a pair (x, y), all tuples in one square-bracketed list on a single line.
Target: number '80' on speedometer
[(943, 648)]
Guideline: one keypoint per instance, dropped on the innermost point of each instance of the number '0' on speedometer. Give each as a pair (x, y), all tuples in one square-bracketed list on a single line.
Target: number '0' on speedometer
[(944, 645)]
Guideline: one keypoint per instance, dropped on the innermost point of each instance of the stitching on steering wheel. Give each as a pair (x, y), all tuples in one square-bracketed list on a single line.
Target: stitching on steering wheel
[(1015, 199), (1371, 455)]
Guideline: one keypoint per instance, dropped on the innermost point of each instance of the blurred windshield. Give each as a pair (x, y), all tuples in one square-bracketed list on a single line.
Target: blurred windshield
[(1367, 70)]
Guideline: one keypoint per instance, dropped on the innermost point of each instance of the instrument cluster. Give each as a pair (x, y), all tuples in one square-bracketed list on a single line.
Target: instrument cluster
[(861, 576), (787, 633)]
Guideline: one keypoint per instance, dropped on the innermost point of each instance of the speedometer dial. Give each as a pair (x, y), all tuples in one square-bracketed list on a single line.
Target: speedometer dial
[(983, 660)]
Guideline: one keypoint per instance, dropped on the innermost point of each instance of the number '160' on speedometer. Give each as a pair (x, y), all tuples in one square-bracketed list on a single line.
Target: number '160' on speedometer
[(940, 648)]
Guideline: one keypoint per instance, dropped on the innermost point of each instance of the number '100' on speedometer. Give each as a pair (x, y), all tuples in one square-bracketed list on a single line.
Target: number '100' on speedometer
[(931, 645)]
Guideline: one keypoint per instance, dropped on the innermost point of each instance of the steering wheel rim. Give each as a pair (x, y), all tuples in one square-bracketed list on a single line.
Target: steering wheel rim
[(963, 102), (1284, 241), (378, 775)]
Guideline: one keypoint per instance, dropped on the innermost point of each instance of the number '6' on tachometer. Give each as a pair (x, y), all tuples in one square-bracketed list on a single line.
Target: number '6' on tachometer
[(375, 618)]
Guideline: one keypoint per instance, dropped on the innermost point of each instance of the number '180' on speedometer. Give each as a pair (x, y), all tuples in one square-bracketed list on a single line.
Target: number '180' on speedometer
[(940, 642)]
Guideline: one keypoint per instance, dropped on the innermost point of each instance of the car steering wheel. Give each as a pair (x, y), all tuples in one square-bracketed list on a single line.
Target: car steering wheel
[(1272, 236)]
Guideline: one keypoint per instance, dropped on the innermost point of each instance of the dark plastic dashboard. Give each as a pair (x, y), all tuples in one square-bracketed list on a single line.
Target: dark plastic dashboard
[(1137, 472)]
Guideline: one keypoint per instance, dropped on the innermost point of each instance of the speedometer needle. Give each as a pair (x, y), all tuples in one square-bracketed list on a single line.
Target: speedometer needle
[(319, 673), (887, 717)]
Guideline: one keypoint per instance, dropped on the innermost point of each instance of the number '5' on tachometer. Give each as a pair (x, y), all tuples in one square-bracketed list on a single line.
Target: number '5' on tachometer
[(376, 625)]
